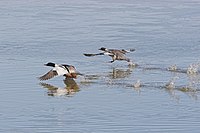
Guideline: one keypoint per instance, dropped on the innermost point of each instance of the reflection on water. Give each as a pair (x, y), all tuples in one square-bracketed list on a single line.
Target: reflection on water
[(69, 90), (120, 73), (108, 77)]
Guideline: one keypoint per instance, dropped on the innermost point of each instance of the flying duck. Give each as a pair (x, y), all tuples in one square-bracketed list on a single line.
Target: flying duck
[(114, 53), (68, 71)]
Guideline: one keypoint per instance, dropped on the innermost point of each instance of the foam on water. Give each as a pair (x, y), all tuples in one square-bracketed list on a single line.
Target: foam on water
[(171, 83), (193, 69)]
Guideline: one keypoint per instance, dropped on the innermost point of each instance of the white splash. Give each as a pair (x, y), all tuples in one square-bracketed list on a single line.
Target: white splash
[(137, 84), (172, 68), (171, 83), (193, 69), (132, 64)]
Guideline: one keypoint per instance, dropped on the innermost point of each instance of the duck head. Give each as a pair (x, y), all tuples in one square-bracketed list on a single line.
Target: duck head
[(50, 64), (103, 49)]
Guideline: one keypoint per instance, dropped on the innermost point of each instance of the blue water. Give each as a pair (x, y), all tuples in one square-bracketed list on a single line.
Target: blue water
[(164, 33)]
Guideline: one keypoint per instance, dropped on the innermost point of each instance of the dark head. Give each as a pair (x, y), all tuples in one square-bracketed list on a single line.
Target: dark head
[(124, 51), (50, 64), (103, 49)]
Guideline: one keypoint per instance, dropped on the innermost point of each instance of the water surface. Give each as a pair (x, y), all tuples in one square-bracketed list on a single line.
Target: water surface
[(164, 33)]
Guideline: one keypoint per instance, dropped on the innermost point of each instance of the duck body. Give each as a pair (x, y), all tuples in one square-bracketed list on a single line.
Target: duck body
[(115, 54), (68, 71)]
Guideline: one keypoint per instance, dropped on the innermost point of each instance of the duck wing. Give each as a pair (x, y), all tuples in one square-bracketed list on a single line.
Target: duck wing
[(49, 75), (93, 54)]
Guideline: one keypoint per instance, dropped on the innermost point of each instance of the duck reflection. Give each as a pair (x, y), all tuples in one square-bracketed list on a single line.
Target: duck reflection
[(120, 73), (69, 90)]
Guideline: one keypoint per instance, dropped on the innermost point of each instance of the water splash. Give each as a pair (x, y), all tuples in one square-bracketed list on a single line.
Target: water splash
[(172, 68), (132, 64), (137, 84), (171, 83), (193, 69)]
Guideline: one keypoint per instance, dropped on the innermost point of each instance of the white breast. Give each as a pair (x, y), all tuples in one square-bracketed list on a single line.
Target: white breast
[(107, 53), (60, 70)]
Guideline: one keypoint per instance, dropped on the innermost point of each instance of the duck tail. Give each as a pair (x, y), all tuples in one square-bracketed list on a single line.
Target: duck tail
[(128, 51), (132, 50)]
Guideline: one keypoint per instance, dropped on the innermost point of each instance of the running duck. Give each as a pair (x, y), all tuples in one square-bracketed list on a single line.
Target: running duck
[(114, 53)]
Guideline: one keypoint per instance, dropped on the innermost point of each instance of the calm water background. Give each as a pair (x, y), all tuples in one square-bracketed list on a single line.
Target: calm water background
[(163, 33)]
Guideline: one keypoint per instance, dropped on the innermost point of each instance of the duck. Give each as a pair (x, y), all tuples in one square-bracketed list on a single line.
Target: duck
[(116, 54), (68, 71)]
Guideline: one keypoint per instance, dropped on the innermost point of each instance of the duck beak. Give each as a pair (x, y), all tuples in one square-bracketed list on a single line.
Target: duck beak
[(78, 73), (127, 51)]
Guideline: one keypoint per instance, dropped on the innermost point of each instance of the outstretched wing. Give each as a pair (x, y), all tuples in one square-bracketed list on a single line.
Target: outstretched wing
[(93, 54), (49, 75)]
